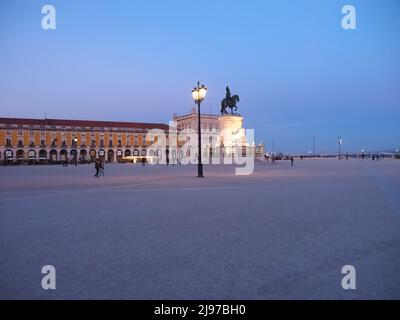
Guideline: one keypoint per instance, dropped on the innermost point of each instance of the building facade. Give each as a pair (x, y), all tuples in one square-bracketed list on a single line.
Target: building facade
[(57, 140), (53, 140), (213, 143), (209, 122)]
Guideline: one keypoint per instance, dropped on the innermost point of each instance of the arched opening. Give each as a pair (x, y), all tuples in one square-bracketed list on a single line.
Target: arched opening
[(110, 156), (74, 154), (127, 153), (83, 155), (20, 155), (53, 155), (32, 154), (92, 154), (63, 155), (102, 154), (143, 152), (8, 155), (119, 155), (42, 155), (180, 154), (173, 155), (136, 152)]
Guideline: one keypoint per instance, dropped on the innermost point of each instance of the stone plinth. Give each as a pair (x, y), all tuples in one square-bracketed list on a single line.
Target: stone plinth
[(231, 130)]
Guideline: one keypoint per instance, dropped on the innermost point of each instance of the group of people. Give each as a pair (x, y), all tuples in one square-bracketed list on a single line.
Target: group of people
[(376, 157), (99, 166), (291, 158)]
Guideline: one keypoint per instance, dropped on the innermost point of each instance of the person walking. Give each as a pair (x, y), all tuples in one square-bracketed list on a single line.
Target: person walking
[(291, 161), (101, 167), (97, 167)]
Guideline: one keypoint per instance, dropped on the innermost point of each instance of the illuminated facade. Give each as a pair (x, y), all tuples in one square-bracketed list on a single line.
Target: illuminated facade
[(52, 140), (55, 140), (213, 139)]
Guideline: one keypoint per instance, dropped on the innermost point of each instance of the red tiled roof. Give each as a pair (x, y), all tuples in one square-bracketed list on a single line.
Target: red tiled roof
[(82, 123)]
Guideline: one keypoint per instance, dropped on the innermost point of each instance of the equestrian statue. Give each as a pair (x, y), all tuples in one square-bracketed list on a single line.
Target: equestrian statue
[(229, 102)]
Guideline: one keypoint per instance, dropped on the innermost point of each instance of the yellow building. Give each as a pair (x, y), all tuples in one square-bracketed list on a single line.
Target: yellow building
[(52, 140)]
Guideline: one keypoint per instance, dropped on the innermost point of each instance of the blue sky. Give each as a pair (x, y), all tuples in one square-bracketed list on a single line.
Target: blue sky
[(297, 72)]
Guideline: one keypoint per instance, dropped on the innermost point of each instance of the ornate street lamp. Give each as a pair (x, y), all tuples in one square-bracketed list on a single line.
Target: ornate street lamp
[(198, 94), (340, 142), (76, 151)]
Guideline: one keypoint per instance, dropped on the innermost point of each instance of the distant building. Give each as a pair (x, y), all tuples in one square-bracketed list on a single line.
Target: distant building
[(211, 126), (37, 140), (55, 140), (209, 122)]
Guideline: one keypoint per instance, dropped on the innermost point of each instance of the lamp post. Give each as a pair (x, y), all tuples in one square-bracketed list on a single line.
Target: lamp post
[(76, 151), (198, 94), (340, 142)]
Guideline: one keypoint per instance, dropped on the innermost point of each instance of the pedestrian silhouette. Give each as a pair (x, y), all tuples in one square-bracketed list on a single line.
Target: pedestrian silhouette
[(97, 167)]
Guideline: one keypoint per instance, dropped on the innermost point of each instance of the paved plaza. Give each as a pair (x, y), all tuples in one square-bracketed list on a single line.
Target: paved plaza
[(158, 232)]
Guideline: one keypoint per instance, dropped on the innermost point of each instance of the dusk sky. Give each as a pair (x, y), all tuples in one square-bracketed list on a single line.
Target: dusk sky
[(298, 73)]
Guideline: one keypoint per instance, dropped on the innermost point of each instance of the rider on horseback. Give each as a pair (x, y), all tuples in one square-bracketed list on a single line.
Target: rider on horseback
[(229, 102), (228, 94)]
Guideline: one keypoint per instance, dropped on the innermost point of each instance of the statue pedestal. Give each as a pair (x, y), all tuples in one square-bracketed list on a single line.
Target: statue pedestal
[(230, 122), (231, 133)]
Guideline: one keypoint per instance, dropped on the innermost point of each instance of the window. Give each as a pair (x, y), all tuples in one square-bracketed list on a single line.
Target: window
[(20, 132), (31, 132), (8, 142)]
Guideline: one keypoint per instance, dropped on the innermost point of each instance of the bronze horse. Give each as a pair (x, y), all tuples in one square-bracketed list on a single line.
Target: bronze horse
[(229, 103)]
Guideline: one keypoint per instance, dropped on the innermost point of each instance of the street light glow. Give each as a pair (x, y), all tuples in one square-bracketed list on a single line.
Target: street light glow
[(195, 94), (202, 92), (199, 93)]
